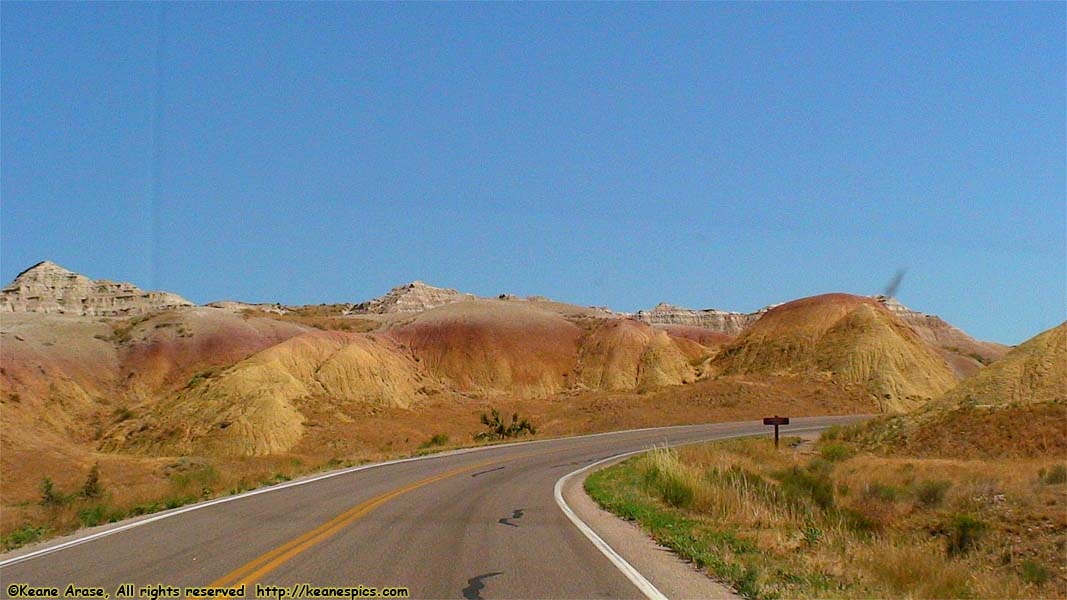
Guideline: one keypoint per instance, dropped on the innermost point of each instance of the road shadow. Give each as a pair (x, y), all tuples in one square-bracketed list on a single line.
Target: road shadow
[(474, 588), (515, 514)]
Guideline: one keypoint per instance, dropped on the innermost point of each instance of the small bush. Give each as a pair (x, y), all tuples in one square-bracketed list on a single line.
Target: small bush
[(92, 516), (835, 452), (931, 493), (1057, 474), (123, 413), (964, 533), (813, 484), (92, 488), (50, 496), (498, 429), (881, 492), (438, 439), (1035, 573), (812, 534), (831, 433)]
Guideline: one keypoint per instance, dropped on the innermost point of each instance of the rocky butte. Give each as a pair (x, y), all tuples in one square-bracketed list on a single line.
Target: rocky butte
[(414, 297), (49, 288)]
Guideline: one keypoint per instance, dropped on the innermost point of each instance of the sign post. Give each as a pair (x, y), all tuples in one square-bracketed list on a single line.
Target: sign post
[(776, 421)]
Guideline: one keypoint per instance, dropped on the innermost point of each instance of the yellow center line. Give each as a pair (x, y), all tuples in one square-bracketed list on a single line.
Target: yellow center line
[(255, 569)]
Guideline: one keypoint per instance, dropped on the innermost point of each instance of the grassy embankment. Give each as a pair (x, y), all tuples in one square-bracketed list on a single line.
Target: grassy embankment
[(826, 520)]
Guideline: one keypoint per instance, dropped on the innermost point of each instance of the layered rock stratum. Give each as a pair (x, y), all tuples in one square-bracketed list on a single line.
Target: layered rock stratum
[(49, 288), (730, 323)]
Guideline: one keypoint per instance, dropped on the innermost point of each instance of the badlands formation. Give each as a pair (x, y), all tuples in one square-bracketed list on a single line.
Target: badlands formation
[(95, 371)]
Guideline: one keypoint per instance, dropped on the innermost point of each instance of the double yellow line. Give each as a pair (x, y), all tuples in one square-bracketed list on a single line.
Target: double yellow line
[(254, 570)]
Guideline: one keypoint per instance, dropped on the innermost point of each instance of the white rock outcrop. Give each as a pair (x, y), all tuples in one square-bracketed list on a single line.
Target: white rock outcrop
[(49, 288)]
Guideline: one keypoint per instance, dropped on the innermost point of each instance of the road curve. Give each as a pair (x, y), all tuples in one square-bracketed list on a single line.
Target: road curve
[(468, 524)]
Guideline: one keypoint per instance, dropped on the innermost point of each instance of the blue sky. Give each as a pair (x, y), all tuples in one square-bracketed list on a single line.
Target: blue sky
[(711, 155)]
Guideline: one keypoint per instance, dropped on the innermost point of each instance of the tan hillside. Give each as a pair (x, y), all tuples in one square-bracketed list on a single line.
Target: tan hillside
[(709, 338), (254, 407), (1016, 407), (848, 339)]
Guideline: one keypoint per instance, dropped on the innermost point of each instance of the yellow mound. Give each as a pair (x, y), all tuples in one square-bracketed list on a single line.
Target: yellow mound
[(623, 354), (850, 339), (1015, 407), (1034, 372), (253, 408)]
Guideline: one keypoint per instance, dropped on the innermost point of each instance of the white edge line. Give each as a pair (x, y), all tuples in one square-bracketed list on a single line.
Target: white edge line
[(647, 588), (178, 511)]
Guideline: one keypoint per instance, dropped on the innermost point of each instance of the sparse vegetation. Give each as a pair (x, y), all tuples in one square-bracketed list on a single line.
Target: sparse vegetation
[(498, 429), (839, 523), (1056, 475), (22, 536), (438, 439)]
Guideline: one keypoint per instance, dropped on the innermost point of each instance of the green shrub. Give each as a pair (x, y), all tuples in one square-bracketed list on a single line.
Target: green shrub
[(22, 536), (1057, 474), (92, 488), (931, 493), (812, 534), (675, 491), (881, 492), (92, 516), (438, 439), (123, 413), (831, 433), (808, 484), (964, 533), (50, 496), (1035, 573), (835, 452), (498, 429)]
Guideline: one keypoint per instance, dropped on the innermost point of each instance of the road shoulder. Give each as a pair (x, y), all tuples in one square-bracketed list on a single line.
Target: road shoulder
[(674, 577)]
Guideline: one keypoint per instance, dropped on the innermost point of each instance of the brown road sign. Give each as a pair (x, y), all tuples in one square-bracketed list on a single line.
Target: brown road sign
[(776, 421)]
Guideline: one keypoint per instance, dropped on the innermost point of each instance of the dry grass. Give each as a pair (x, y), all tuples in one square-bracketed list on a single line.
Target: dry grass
[(825, 520)]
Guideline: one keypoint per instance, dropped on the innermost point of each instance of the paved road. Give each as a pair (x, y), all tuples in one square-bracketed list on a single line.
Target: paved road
[(481, 524)]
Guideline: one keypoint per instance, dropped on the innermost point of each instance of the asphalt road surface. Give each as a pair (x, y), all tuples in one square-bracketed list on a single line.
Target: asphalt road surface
[(469, 524)]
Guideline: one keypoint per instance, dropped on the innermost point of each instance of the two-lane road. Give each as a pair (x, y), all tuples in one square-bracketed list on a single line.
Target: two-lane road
[(472, 524)]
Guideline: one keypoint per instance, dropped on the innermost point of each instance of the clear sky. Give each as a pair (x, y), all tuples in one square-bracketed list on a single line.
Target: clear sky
[(710, 155)]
